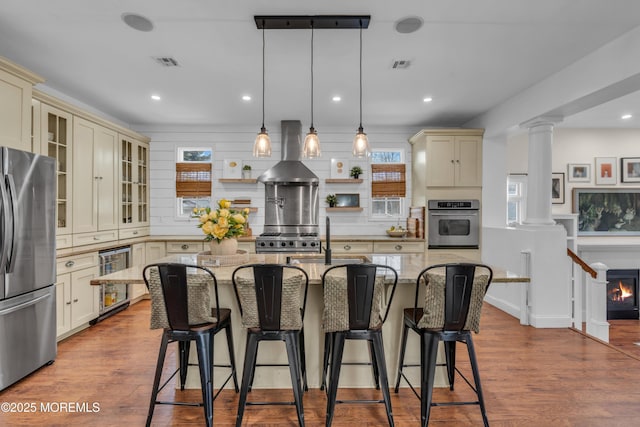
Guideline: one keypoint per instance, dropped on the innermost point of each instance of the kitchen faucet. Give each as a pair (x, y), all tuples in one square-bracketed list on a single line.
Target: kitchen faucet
[(327, 248)]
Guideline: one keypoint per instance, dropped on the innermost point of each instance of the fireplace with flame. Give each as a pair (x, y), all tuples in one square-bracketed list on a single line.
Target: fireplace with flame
[(622, 294)]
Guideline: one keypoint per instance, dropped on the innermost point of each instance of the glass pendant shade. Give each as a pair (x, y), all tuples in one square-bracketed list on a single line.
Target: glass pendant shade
[(262, 146), (361, 144), (311, 147)]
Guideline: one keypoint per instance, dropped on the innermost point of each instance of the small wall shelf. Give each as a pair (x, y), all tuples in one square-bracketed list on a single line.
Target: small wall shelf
[(343, 180), (238, 180), (345, 209)]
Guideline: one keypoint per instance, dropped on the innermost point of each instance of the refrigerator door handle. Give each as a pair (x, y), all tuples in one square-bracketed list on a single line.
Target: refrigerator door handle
[(23, 305), (6, 225), (11, 185)]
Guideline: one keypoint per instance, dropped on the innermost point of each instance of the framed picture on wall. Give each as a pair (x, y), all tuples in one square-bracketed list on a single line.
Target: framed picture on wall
[(339, 168), (630, 169), (579, 172), (605, 172), (557, 188)]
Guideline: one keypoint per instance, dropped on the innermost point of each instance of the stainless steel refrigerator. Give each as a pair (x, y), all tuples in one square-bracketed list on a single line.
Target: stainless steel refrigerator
[(27, 264)]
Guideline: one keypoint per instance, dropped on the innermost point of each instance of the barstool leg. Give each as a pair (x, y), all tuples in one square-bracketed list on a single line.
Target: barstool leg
[(328, 339), (428, 358), (184, 347), (337, 348), (476, 377), (378, 349), (374, 364), (204, 344), (292, 343), (303, 361), (249, 363), (403, 347), (232, 356), (156, 381), (450, 356)]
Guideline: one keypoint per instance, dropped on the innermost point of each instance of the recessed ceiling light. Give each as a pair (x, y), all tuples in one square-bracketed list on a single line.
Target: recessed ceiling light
[(156, 97), (137, 22), (427, 99), (409, 24), (246, 98), (626, 116), (336, 99)]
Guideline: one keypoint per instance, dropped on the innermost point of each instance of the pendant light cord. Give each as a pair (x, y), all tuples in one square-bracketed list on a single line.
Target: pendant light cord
[(360, 74), (312, 74), (263, 128)]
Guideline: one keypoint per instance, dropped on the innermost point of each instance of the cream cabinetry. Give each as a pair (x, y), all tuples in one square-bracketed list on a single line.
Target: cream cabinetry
[(155, 251), (447, 158), (250, 247), (354, 247), (77, 301), (16, 88), (398, 247), (138, 258), (95, 190), (187, 247), (56, 141), (134, 182)]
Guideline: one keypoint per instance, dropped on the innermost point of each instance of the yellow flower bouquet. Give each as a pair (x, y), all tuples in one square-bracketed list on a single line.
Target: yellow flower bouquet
[(223, 222)]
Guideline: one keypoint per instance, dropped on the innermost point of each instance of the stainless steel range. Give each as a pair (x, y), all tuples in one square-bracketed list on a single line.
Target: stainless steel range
[(291, 200)]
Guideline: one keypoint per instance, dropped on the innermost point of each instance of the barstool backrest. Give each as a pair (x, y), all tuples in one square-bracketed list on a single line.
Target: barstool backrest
[(175, 292), (269, 280), (458, 292), (361, 287)]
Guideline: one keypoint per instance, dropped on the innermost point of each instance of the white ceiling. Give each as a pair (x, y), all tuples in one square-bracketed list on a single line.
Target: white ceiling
[(469, 56)]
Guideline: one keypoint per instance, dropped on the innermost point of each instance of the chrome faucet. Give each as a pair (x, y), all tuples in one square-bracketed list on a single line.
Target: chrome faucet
[(327, 248)]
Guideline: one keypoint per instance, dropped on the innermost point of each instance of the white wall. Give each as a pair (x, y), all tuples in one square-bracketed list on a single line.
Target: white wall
[(237, 143)]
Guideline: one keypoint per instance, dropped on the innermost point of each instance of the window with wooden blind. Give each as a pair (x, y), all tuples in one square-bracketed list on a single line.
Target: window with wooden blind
[(388, 180), (193, 179)]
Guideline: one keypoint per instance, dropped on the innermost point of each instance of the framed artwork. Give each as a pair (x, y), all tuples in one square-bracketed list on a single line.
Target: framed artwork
[(339, 168), (579, 172), (611, 211), (557, 188), (630, 169), (348, 200), (605, 172), (232, 169)]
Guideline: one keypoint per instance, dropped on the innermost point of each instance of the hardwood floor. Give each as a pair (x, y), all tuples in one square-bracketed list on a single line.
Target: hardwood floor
[(530, 377)]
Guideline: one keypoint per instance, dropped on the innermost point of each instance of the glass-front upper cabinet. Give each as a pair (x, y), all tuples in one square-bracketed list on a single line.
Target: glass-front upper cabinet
[(134, 187), (56, 141)]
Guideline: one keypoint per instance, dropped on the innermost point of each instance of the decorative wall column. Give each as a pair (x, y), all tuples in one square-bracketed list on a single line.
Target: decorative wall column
[(539, 170)]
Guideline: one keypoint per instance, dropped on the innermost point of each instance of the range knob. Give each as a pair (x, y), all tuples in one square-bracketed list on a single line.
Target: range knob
[(270, 243), (292, 243), (313, 244), (262, 243), (283, 244), (304, 243)]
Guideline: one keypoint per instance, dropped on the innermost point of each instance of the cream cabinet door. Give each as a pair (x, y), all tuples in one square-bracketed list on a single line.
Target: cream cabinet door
[(95, 166), (15, 108), (84, 297), (468, 161), (63, 304), (154, 251), (134, 185), (440, 161)]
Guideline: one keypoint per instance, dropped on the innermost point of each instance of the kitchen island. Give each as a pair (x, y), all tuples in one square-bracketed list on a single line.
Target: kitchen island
[(408, 267)]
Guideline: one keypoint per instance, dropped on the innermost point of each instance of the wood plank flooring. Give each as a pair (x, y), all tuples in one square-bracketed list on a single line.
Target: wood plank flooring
[(531, 377)]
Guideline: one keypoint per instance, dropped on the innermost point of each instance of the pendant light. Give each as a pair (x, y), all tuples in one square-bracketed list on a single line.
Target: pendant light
[(262, 146), (361, 142), (311, 148)]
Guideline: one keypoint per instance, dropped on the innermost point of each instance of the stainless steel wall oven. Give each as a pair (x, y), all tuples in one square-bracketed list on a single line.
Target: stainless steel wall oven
[(454, 224)]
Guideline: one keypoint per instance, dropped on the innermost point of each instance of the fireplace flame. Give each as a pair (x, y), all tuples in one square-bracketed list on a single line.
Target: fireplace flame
[(621, 292)]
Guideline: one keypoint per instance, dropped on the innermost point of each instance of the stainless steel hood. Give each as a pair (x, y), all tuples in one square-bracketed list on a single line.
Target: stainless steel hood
[(290, 168)]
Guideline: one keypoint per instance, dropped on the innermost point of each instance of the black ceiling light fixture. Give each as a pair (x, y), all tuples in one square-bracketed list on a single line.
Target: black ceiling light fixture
[(361, 142), (262, 145), (311, 147)]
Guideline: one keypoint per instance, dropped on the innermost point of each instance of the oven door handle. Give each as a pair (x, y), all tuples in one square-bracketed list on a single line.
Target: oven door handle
[(454, 214)]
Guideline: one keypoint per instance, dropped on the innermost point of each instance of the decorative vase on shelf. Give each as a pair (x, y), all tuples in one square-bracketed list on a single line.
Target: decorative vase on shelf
[(227, 246)]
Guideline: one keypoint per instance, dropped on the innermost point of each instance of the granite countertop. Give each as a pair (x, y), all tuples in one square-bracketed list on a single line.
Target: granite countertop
[(407, 265)]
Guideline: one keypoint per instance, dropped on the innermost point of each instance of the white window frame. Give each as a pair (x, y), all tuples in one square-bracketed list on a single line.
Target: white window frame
[(518, 199), (199, 201), (402, 200)]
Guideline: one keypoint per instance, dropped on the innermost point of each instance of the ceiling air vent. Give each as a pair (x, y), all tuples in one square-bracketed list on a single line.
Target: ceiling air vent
[(400, 64), (165, 61)]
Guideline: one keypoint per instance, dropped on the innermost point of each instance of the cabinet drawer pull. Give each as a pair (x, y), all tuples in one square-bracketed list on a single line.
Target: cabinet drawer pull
[(68, 303), (185, 247), (135, 232), (96, 238), (69, 264), (75, 300), (398, 247), (347, 247)]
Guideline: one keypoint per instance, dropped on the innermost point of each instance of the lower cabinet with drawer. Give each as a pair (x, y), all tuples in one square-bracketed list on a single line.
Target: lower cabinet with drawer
[(398, 247), (354, 247), (187, 247), (77, 302)]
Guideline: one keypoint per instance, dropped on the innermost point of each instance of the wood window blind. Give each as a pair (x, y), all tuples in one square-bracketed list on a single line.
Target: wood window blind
[(388, 180), (193, 179)]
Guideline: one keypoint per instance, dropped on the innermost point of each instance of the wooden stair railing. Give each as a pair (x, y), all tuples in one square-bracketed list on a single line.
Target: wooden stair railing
[(581, 263)]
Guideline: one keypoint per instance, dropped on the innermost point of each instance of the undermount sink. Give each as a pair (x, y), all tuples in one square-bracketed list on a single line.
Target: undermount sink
[(320, 259)]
